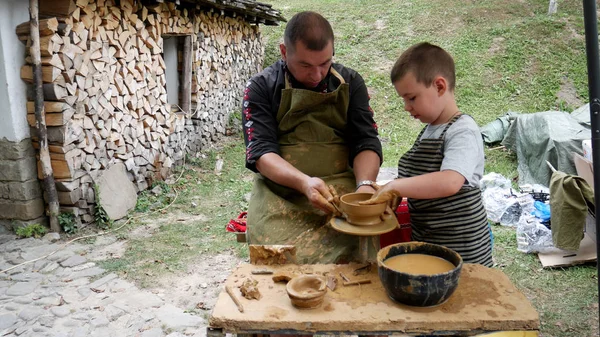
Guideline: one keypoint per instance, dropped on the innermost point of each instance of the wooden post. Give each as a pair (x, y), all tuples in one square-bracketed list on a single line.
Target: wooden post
[(186, 78), (48, 177)]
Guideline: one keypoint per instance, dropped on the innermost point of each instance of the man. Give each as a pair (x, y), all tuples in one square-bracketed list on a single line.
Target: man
[(307, 124)]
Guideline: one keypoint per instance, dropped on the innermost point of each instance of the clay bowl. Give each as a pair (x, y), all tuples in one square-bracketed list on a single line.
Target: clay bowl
[(414, 289), (361, 215), (307, 291)]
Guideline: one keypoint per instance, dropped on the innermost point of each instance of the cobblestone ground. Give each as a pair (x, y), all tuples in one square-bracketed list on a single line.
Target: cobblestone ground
[(68, 294)]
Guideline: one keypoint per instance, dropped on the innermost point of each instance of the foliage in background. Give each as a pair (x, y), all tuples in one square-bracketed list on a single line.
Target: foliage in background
[(102, 220), (68, 223), (33, 230)]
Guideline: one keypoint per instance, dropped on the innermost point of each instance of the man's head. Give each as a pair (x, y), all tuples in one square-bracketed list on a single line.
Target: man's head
[(424, 77), (307, 47)]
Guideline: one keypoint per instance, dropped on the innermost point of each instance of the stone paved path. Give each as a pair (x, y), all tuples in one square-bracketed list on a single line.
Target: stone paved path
[(68, 295)]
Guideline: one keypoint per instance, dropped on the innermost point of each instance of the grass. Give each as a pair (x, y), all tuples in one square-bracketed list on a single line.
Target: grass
[(510, 56), (179, 238)]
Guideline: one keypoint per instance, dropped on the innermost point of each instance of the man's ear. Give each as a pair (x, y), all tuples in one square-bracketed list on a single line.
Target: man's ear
[(283, 51), (441, 85)]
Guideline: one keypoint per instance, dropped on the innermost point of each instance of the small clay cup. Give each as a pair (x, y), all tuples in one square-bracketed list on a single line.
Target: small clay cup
[(307, 291), (419, 290), (361, 215)]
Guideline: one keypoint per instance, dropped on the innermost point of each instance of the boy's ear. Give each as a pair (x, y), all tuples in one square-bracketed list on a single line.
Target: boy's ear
[(283, 51), (441, 85)]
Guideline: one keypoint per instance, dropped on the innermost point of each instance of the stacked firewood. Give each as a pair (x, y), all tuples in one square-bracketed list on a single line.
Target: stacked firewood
[(105, 89)]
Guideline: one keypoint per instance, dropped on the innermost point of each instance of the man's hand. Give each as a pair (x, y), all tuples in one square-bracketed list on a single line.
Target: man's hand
[(318, 193)]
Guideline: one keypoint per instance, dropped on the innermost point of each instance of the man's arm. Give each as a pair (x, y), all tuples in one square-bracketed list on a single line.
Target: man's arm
[(365, 147), (258, 122), (366, 167)]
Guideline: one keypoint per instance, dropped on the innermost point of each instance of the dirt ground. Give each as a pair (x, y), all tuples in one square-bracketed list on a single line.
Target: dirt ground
[(196, 289)]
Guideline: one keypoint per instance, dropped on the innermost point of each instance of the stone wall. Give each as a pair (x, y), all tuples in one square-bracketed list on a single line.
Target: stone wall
[(20, 192)]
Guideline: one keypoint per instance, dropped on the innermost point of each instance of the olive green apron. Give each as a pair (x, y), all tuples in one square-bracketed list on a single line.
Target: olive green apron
[(310, 129)]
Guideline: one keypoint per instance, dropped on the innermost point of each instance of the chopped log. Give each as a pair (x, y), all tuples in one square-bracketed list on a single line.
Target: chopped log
[(61, 170), (53, 119), (46, 27), (48, 107), (54, 148), (49, 74), (57, 7), (54, 92), (70, 197)]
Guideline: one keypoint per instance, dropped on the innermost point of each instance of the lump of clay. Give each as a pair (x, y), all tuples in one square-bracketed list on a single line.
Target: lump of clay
[(250, 289)]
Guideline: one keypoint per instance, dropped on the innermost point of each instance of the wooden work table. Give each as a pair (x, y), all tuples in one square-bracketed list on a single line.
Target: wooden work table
[(484, 301)]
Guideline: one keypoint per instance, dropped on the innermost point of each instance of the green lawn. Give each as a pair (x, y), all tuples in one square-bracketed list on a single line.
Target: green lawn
[(510, 56)]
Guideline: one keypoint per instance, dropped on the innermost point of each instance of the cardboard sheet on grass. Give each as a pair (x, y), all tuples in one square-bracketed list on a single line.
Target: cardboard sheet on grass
[(551, 136), (587, 248)]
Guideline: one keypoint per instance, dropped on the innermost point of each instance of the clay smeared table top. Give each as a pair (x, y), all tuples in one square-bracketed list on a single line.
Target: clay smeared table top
[(485, 300)]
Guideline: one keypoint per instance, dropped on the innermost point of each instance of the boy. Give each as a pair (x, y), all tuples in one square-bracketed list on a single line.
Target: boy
[(440, 174)]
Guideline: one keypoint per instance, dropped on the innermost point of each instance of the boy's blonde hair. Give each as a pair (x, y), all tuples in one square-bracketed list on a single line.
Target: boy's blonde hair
[(425, 61)]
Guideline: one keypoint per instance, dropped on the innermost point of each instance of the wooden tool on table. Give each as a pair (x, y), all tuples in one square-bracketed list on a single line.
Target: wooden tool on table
[(234, 298)]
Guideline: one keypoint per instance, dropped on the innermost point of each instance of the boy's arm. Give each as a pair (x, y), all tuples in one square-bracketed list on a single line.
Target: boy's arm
[(427, 186), (463, 155)]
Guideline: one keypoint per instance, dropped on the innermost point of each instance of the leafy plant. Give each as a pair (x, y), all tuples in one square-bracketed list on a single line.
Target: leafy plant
[(68, 223), (103, 221), (33, 230)]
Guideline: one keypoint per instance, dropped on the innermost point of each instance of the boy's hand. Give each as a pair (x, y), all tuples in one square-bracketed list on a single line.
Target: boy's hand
[(383, 194)]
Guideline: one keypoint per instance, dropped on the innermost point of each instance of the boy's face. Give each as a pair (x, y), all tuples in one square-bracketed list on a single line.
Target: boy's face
[(423, 103), (308, 67)]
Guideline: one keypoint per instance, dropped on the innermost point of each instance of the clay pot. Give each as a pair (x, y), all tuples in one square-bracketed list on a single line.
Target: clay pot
[(307, 291), (419, 290), (361, 215)]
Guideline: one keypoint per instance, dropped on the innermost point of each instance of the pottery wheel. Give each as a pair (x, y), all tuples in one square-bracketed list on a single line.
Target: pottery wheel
[(341, 225)]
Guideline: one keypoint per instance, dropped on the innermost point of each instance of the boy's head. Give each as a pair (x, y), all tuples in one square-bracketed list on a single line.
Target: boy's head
[(307, 47), (424, 77), (426, 62)]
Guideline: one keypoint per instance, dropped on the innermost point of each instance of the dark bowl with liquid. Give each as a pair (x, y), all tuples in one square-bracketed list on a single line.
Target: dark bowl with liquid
[(414, 289)]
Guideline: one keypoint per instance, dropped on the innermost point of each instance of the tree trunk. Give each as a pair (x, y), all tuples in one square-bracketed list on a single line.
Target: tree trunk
[(48, 176)]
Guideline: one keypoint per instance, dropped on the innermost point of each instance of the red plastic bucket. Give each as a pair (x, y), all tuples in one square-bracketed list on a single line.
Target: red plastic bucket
[(401, 234)]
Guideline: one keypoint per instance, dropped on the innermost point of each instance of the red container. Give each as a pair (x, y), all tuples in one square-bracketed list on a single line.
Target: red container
[(401, 234)]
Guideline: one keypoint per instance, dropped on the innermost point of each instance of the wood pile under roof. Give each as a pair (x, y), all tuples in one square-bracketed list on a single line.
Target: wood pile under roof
[(253, 11)]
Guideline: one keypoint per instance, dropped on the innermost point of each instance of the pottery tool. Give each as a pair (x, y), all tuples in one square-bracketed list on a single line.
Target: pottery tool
[(347, 281), (335, 201), (357, 282), (234, 298), (362, 270), (344, 277), (332, 282)]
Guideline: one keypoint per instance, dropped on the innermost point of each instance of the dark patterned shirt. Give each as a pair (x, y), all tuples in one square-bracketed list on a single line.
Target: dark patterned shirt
[(261, 103)]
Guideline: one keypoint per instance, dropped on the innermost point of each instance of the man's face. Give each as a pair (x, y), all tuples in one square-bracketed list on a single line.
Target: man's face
[(309, 67)]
